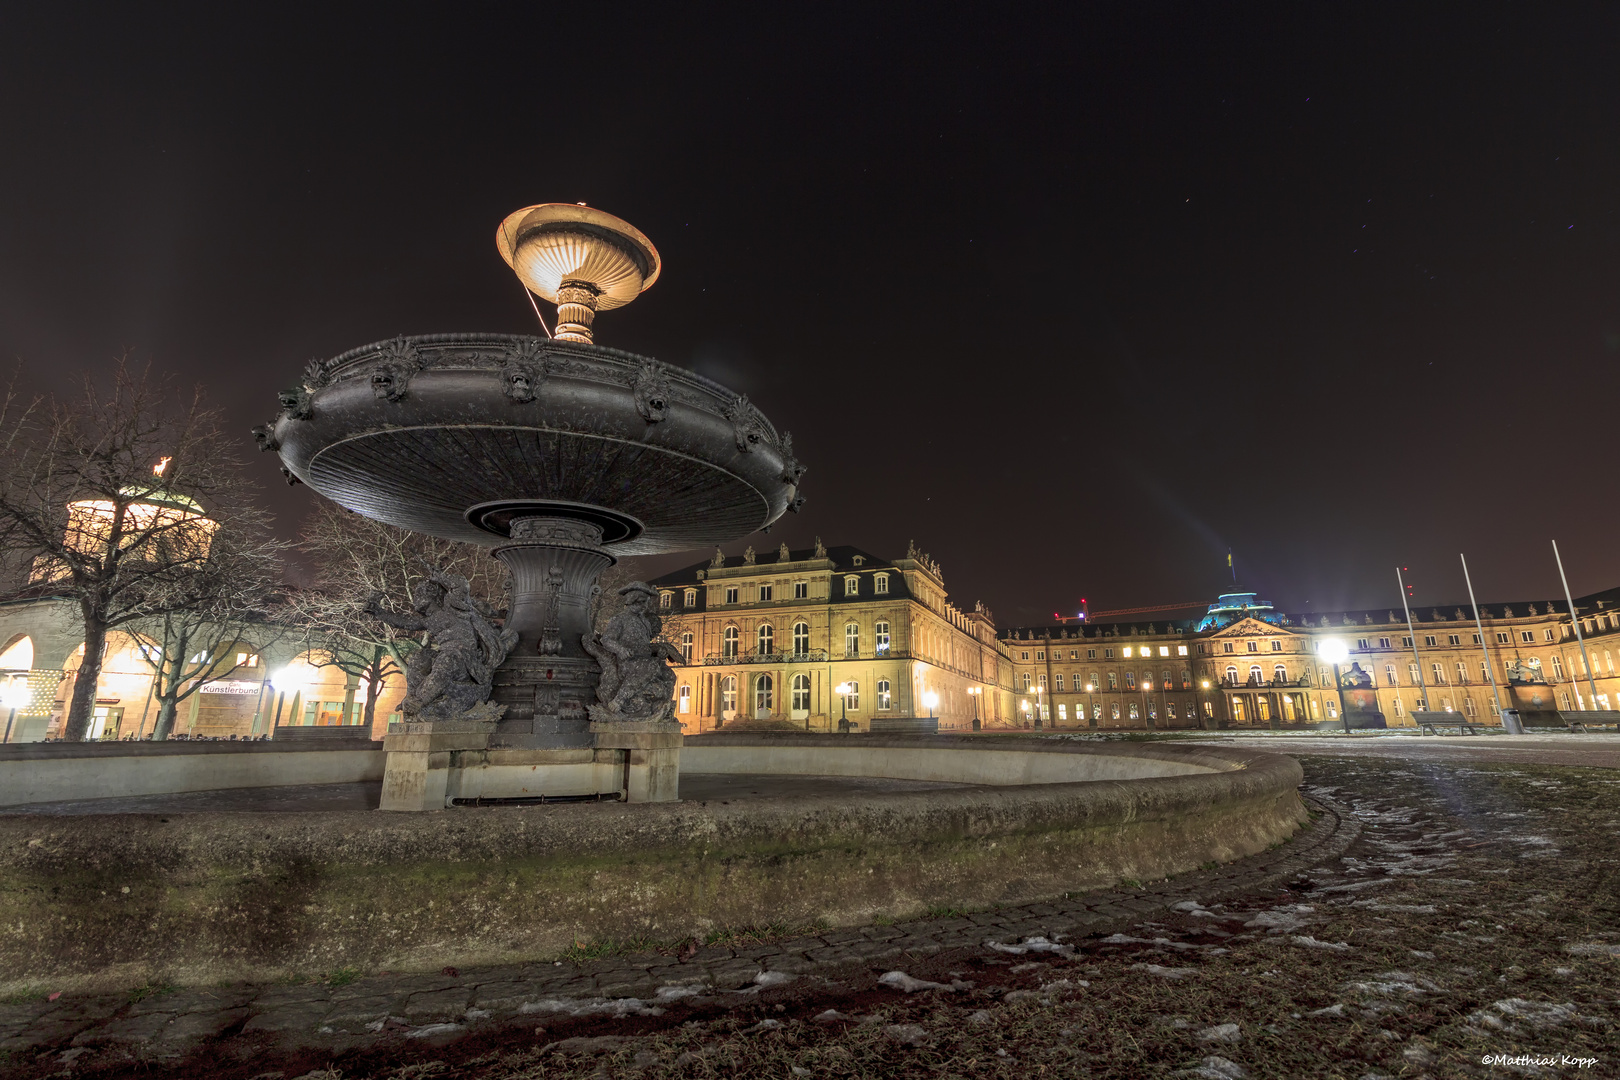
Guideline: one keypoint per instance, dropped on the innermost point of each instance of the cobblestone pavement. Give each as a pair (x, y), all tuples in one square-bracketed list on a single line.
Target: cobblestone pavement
[(1381, 834), (1596, 750)]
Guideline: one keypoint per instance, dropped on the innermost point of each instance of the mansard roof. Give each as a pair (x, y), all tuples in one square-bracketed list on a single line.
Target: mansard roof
[(842, 557)]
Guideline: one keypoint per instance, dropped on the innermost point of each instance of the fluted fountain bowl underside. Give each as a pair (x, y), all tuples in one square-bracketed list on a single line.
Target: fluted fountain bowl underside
[(456, 435)]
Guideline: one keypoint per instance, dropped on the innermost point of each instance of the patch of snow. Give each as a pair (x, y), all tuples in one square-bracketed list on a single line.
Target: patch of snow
[(615, 1007), (1594, 948), (1213, 1068), (1165, 972), (908, 1034), (899, 980), (1312, 943), (763, 1025), (1220, 1033), (831, 1016), (667, 994), (427, 1030), (1331, 1010), (767, 979)]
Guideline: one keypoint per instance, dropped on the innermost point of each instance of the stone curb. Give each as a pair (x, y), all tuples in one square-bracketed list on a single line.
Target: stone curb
[(169, 1024)]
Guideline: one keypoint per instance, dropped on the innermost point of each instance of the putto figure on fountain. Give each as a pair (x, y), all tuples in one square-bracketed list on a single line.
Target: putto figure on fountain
[(637, 686), (451, 675)]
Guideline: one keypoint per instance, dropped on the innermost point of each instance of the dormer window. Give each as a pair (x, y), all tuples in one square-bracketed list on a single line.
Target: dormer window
[(880, 584), (852, 586), (666, 600), (691, 598), (859, 560)]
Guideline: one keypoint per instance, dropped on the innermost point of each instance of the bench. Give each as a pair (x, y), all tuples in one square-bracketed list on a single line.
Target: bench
[(1464, 727)]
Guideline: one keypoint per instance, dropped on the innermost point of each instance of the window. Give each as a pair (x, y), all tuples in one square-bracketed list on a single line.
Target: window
[(1484, 672), (880, 583), (1108, 654), (1468, 706), (1164, 650), (885, 699), (1383, 643), (1041, 681), (1428, 641), (686, 699), (1454, 639), (1074, 654), (1095, 681), (1501, 637), (1181, 650), (1024, 655), (1276, 646), (1563, 700), (728, 694), (852, 586), (1040, 654), (1462, 673), (202, 657), (244, 659), (801, 639), (1186, 679), (1476, 639), (666, 600), (1558, 667), (728, 642), (859, 560), (1255, 678), (1406, 642), (731, 594), (1333, 709), (1078, 682), (1254, 646), (854, 696), (1361, 643), (1439, 674), (764, 700), (1549, 634), (1127, 652), (1116, 710), (1526, 636), (1059, 685), (686, 647), (1026, 682), (1203, 649), (1170, 709), (1280, 673), (1231, 675), (1226, 646), (1063, 711), (767, 639), (1412, 670), (1113, 680), (1134, 714), (801, 590), (766, 592), (1398, 711), (852, 639), (691, 598), (1091, 654), (1130, 680), (801, 693)]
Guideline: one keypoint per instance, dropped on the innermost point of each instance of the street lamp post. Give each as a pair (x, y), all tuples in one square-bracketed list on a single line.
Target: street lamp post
[(1208, 718), (1147, 717), (930, 699), (842, 690), (1334, 652), (1039, 690), (974, 692), (1091, 704)]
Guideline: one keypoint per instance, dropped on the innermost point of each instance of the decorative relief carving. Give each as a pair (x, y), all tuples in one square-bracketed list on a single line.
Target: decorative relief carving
[(264, 435), (551, 630), (745, 423), (651, 389), (391, 378), (289, 476), (791, 469), (295, 403), (317, 374), (522, 370), (637, 683)]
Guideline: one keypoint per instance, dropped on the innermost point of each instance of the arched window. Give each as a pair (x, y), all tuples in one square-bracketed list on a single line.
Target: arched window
[(767, 639), (1116, 710), (1439, 674), (686, 699), (885, 699), (1130, 682), (1186, 679), (880, 638), (1558, 668), (1231, 675), (1255, 677), (801, 693), (728, 642), (1026, 682), (728, 694), (1280, 673), (1134, 714), (1164, 682), (852, 639), (854, 695), (666, 600), (1389, 675), (801, 639), (1059, 685), (691, 598), (852, 586), (1412, 670), (1094, 680), (686, 647), (1113, 682), (764, 700)]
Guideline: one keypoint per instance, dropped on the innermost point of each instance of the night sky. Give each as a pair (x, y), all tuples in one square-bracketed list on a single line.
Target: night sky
[(1080, 300)]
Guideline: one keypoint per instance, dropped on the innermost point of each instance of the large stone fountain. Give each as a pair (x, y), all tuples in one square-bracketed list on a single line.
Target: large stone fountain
[(560, 455)]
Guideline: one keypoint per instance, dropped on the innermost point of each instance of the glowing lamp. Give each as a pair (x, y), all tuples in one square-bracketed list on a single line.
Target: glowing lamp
[(1333, 650), (580, 259)]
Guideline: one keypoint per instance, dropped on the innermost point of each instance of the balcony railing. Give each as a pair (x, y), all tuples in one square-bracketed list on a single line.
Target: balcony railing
[(813, 656)]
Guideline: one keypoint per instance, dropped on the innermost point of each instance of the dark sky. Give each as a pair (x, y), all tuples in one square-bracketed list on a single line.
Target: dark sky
[(1078, 298)]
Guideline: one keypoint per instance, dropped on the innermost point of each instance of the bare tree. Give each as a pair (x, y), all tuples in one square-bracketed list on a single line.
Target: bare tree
[(119, 498), (356, 559)]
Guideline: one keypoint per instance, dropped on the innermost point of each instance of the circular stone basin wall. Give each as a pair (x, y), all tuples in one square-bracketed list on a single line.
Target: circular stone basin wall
[(192, 898)]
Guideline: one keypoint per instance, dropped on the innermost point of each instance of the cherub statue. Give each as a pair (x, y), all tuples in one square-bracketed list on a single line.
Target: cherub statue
[(637, 684), (450, 676)]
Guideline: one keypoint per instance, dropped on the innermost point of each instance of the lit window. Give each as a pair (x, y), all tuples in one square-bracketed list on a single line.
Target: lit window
[(1164, 650), (852, 586), (801, 639), (880, 638), (1063, 711), (854, 696), (880, 583), (1181, 650), (200, 658), (244, 659), (801, 693), (764, 699), (1130, 680), (1127, 651), (1113, 680), (686, 699), (885, 699)]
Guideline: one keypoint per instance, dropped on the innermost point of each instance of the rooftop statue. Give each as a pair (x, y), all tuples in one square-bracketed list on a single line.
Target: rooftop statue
[(637, 684), (450, 676)]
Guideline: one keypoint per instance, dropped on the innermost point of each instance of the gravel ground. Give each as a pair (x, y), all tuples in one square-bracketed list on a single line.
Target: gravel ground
[(1460, 911)]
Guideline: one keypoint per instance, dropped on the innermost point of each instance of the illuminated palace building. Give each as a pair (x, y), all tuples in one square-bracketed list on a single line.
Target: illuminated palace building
[(774, 639)]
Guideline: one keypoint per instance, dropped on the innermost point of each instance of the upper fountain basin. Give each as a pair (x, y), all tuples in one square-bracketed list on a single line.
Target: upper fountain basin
[(456, 435)]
